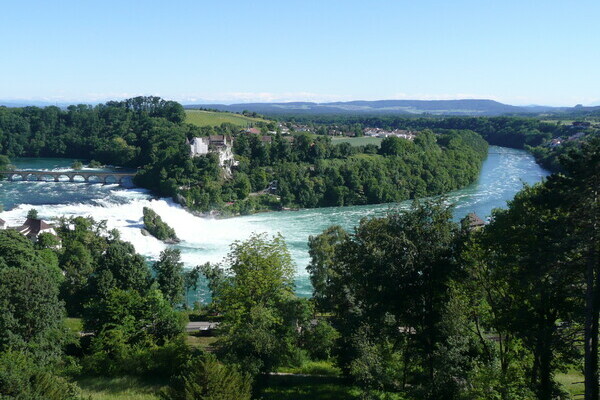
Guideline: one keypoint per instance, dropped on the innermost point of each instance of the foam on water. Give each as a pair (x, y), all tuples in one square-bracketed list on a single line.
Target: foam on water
[(208, 239)]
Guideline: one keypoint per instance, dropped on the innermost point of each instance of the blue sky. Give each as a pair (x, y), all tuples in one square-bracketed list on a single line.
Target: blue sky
[(518, 52)]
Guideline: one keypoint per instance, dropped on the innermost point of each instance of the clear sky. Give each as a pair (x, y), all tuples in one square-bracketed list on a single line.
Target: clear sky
[(518, 52)]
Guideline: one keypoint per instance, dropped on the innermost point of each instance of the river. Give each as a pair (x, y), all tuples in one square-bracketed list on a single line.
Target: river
[(205, 239)]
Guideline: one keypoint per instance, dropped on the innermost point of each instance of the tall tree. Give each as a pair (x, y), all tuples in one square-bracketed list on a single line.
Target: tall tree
[(530, 250), (581, 183), (255, 296), (169, 275)]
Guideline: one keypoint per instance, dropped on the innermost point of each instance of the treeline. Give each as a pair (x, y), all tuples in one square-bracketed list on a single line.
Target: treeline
[(131, 323), (513, 132), (312, 172), (150, 134), (409, 306), (432, 310)]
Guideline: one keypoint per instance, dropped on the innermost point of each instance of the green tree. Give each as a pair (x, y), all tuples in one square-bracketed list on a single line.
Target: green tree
[(170, 275), (32, 314), (205, 378), (388, 287), (581, 188), (128, 268), (255, 296), (529, 250), (22, 377), (321, 249)]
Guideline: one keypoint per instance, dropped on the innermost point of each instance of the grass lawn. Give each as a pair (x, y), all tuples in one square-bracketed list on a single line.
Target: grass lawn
[(210, 118), (571, 382), (357, 141), (75, 325), (119, 388), (324, 368), (203, 342), (308, 388)]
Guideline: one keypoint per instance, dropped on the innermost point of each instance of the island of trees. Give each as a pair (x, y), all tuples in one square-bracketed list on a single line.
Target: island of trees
[(155, 226)]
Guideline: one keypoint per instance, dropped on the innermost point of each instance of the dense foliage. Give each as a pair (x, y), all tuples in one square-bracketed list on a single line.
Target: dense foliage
[(157, 227), (433, 310), (255, 295), (309, 171)]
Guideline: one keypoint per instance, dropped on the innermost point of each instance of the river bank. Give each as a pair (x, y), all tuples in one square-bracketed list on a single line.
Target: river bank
[(207, 239)]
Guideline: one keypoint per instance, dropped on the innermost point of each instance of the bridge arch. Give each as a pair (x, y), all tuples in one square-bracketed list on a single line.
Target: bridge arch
[(77, 177), (110, 179), (62, 177), (30, 177), (94, 179), (46, 177)]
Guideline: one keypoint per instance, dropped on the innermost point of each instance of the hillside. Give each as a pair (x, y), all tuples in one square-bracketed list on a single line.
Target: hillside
[(212, 118), (395, 107)]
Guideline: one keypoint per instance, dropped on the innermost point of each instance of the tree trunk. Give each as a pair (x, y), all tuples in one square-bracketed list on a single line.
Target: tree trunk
[(591, 329), (545, 388)]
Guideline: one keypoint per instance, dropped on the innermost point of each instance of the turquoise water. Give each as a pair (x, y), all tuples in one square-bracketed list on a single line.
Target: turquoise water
[(205, 239)]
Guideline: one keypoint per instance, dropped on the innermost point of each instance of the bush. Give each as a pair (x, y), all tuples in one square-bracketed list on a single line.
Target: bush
[(320, 340), (112, 356), (22, 378), (95, 164), (205, 378)]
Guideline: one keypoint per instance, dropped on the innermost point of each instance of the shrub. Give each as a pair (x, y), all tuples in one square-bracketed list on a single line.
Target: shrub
[(22, 378), (205, 378), (320, 340)]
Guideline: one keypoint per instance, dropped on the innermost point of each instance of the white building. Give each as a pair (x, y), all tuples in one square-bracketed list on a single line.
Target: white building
[(219, 144), (199, 146)]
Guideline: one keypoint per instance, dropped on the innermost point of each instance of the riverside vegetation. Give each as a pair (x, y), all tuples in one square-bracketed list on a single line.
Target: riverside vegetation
[(407, 306), (150, 134)]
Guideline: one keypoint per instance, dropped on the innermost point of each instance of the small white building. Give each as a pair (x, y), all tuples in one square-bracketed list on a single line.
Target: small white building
[(2, 224)]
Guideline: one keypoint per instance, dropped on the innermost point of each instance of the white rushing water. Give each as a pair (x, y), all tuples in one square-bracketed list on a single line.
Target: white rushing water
[(208, 239)]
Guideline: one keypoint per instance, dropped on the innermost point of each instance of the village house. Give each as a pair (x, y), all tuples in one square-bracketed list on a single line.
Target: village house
[(555, 142), (254, 131), (382, 133), (473, 221), (33, 227)]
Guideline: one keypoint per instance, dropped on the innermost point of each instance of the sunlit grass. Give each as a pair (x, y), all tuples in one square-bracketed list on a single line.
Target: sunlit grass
[(211, 118), (572, 382), (357, 141), (119, 388)]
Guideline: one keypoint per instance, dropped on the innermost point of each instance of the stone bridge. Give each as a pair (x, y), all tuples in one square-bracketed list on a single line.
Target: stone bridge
[(54, 176)]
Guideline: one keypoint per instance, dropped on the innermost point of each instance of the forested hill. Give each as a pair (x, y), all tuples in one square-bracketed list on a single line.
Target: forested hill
[(305, 170), (389, 107)]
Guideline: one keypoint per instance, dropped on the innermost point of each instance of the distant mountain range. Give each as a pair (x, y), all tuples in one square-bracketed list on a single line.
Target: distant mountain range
[(393, 107), (466, 107)]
